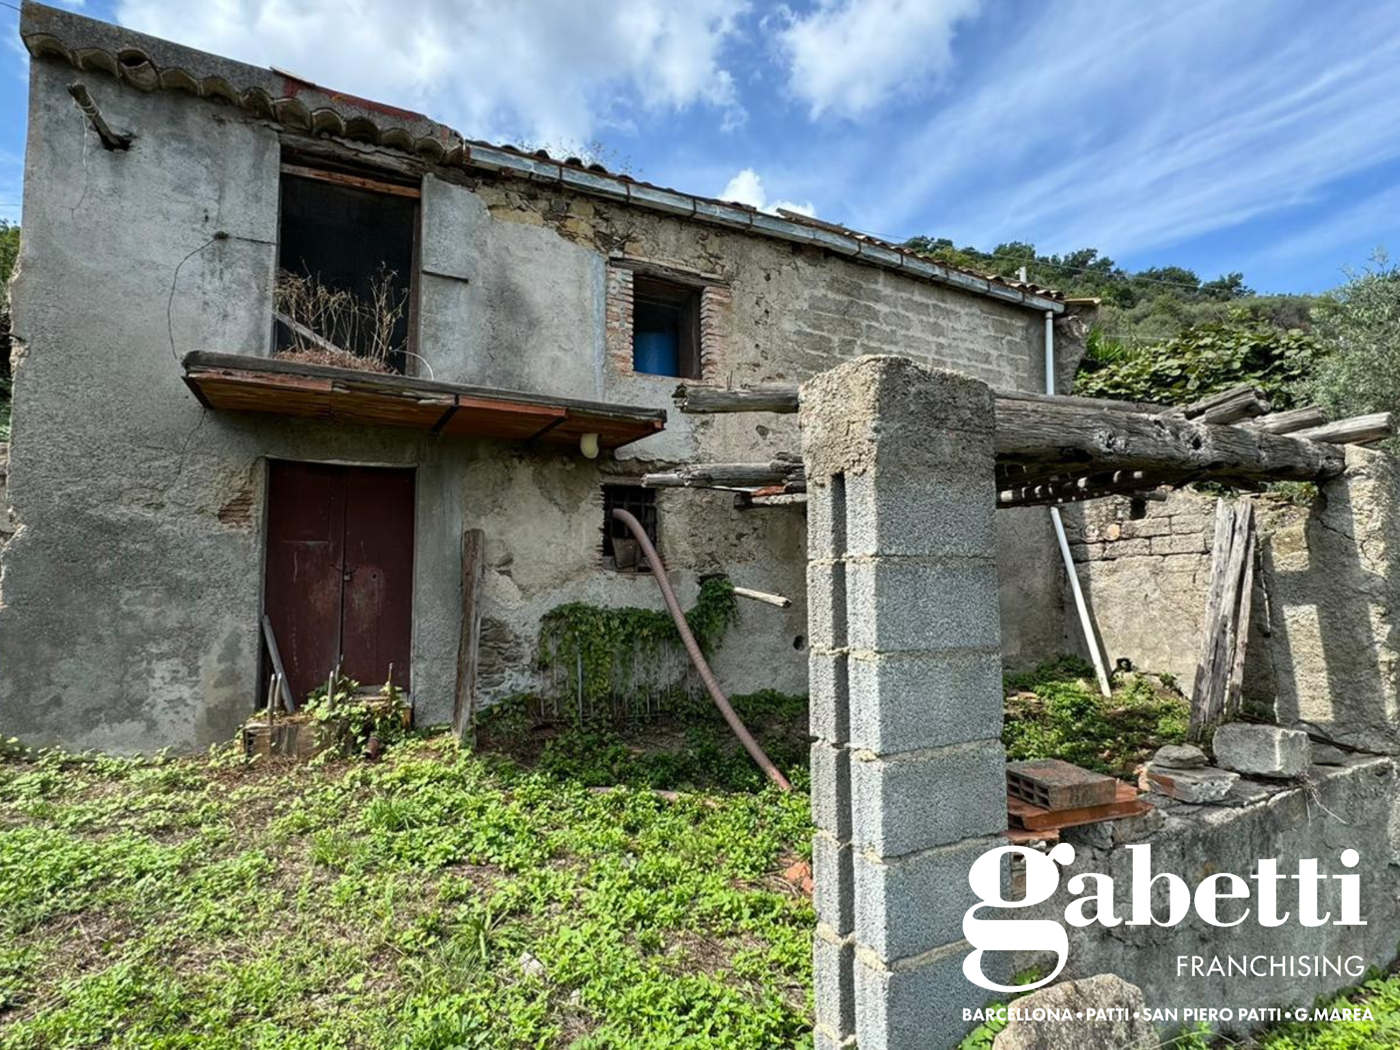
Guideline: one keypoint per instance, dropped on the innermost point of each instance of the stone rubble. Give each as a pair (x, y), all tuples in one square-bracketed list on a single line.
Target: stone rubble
[(1263, 751), (1118, 1011)]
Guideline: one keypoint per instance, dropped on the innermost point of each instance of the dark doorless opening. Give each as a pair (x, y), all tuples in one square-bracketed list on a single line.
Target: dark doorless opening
[(339, 586), (355, 241)]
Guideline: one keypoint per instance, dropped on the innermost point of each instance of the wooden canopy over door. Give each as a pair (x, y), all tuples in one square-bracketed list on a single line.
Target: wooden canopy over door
[(339, 577)]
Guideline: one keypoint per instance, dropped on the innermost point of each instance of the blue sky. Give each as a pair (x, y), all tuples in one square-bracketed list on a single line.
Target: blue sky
[(1261, 137)]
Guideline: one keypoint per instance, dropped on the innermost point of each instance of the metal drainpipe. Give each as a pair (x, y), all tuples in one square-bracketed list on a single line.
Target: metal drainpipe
[(1085, 621), (658, 570)]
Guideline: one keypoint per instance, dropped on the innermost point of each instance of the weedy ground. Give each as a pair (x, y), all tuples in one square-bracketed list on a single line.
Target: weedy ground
[(543, 893), (434, 899)]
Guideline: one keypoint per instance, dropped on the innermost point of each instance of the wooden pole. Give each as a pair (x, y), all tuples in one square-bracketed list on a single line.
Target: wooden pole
[(1228, 406), (271, 639), (473, 574), (763, 596)]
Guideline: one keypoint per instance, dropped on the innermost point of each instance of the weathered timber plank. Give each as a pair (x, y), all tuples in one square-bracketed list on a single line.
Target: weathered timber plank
[(1236, 685), (1358, 430), (1224, 657), (1220, 556), (468, 645), (1292, 420)]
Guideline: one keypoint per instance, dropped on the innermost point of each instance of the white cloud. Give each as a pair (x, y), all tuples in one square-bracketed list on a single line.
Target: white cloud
[(550, 71), (850, 56), (747, 188), (1133, 128)]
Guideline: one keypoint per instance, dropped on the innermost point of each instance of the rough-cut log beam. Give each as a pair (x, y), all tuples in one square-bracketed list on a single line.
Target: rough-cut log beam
[(1358, 430), (782, 398), (1049, 441), (1040, 439), (709, 399), (782, 471), (1228, 406), (1071, 437)]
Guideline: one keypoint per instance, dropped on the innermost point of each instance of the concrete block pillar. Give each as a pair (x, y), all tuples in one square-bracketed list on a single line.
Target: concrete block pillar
[(908, 772)]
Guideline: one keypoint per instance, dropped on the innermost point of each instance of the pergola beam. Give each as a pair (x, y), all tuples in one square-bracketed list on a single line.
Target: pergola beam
[(1064, 449)]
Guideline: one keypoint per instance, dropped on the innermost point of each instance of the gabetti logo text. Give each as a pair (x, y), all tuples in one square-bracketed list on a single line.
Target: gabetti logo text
[(1098, 904)]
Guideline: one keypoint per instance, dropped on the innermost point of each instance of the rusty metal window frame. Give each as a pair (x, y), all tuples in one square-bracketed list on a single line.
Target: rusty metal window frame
[(619, 550)]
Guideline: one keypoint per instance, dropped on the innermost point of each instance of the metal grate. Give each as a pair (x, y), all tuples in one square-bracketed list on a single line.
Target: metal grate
[(620, 550)]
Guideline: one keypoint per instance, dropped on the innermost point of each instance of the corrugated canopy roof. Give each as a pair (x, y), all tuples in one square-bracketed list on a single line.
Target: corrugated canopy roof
[(150, 63)]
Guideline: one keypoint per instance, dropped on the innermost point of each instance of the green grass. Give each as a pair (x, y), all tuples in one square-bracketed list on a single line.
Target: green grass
[(217, 904), (1380, 993), (404, 904), (1057, 711)]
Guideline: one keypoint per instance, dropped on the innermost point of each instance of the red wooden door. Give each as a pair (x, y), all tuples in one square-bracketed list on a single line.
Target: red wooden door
[(339, 585)]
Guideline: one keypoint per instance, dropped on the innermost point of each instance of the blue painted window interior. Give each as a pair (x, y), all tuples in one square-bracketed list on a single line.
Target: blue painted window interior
[(656, 338), (665, 328)]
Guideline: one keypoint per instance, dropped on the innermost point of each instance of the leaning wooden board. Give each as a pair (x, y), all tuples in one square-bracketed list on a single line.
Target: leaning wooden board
[(1033, 818)]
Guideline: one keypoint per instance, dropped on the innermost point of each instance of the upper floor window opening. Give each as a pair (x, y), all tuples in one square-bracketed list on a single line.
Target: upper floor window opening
[(346, 288)]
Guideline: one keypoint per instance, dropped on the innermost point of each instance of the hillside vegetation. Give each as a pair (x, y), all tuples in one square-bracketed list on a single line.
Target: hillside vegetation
[(1165, 335)]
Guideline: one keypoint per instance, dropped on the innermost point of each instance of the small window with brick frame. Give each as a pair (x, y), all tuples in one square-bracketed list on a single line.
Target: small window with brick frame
[(665, 328), (621, 551)]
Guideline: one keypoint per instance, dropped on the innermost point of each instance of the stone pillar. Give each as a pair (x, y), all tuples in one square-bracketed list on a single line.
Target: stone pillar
[(908, 773), (1332, 583)]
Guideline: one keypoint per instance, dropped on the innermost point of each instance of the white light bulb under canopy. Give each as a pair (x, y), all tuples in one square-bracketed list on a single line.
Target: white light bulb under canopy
[(588, 445)]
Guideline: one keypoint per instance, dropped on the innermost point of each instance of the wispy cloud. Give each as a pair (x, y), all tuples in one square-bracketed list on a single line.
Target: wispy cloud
[(1158, 124)]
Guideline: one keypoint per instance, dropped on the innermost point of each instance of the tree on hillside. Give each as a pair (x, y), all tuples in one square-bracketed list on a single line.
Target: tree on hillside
[(1360, 326), (1137, 308), (9, 252)]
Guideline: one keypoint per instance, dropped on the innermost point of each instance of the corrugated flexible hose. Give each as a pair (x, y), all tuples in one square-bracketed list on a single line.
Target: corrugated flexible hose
[(658, 570)]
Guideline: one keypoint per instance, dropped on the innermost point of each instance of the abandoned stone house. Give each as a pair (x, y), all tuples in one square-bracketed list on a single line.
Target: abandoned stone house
[(177, 480), (161, 503)]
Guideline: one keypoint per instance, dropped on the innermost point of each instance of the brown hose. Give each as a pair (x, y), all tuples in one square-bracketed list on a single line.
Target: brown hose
[(696, 657)]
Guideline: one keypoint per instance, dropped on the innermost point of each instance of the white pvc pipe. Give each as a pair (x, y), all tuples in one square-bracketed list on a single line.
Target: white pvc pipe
[(1085, 621)]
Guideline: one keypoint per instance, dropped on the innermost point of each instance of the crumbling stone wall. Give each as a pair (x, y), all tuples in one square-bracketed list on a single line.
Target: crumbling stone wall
[(1322, 649), (1144, 567), (1353, 804)]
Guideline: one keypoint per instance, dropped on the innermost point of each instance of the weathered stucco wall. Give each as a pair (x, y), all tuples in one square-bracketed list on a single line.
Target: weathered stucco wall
[(1322, 651), (1350, 807), (132, 588)]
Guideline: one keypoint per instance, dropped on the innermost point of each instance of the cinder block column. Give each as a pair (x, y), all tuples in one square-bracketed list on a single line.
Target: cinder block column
[(908, 773)]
